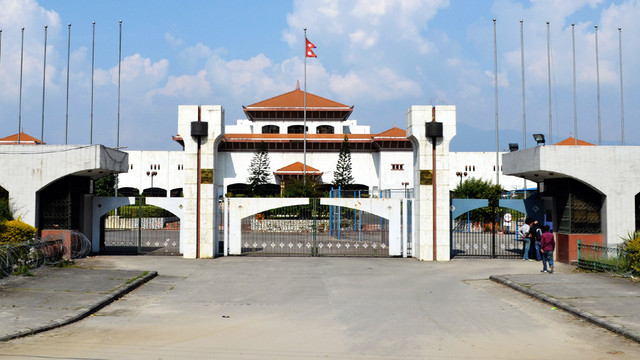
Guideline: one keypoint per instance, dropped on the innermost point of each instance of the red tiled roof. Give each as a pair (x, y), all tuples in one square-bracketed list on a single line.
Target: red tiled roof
[(26, 138), (295, 99), (287, 137), (572, 141), (297, 168), (394, 132)]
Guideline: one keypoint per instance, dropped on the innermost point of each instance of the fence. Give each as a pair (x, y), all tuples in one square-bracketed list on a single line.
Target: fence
[(30, 254), (602, 258)]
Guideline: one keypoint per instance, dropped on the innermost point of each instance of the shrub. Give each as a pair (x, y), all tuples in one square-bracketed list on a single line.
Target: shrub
[(15, 231), (632, 247)]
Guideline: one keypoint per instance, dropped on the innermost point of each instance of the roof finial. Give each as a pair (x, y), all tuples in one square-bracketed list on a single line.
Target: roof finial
[(297, 84)]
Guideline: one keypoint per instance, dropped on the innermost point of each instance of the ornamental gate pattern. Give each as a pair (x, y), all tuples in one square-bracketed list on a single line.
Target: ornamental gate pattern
[(314, 230), (140, 229), (472, 235)]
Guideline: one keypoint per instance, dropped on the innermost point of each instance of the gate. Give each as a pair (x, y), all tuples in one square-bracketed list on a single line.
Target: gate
[(314, 230), (140, 229), (472, 235)]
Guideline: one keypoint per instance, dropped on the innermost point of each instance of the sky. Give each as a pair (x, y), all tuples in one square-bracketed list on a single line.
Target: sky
[(381, 56)]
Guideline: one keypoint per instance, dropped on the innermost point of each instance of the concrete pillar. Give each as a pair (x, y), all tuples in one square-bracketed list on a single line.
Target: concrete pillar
[(417, 117), (214, 116)]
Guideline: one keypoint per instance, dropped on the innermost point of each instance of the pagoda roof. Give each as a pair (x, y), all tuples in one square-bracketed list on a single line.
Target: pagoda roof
[(394, 132), (24, 138), (293, 103), (297, 168), (572, 141)]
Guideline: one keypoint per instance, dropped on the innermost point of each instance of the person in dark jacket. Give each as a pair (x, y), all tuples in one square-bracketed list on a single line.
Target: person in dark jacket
[(536, 236), (547, 246)]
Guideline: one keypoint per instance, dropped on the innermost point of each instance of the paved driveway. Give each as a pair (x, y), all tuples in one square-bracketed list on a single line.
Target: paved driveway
[(324, 308)]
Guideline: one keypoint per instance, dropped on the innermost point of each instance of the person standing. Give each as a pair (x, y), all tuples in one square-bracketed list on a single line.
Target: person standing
[(526, 237), (547, 246), (536, 236)]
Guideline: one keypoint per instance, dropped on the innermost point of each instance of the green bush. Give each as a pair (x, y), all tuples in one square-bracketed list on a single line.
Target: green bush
[(15, 231), (632, 247)]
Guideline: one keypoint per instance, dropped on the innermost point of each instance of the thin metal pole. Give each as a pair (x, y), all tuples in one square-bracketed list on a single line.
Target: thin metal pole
[(524, 116), (119, 72), (66, 132), (575, 101), (598, 84), (304, 128), (495, 72), (549, 77), (93, 47), (20, 105), (44, 81), (621, 87)]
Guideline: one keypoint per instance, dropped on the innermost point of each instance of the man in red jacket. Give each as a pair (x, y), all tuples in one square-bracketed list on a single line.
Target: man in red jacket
[(547, 245)]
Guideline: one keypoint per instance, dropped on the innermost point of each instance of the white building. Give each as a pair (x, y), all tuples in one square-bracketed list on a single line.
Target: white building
[(380, 162)]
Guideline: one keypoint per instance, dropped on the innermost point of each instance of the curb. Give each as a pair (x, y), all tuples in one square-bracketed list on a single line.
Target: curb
[(84, 312), (594, 319)]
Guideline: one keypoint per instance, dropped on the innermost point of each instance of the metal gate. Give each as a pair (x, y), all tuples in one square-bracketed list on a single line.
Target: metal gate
[(315, 230), (473, 234), (140, 229)]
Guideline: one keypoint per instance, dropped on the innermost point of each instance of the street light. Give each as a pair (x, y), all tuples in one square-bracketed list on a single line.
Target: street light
[(152, 174), (405, 188), (539, 138), (460, 174)]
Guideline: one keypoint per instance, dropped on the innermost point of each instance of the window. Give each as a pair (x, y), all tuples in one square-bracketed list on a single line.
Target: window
[(399, 167), (295, 129), (324, 129), (270, 129)]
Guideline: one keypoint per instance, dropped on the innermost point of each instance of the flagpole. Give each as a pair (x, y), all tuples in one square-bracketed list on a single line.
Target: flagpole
[(549, 78), (20, 107), (621, 88), (304, 127), (575, 100), (66, 131), (495, 74), (93, 47), (598, 85), (44, 79)]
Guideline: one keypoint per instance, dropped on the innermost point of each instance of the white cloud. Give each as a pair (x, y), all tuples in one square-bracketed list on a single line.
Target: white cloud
[(140, 72), (382, 85), (173, 40), (364, 40), (185, 87)]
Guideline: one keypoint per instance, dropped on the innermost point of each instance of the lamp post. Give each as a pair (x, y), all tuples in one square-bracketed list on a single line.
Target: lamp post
[(460, 174), (152, 174), (405, 188)]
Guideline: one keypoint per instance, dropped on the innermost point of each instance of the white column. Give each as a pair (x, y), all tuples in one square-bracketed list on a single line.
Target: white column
[(214, 116), (417, 117)]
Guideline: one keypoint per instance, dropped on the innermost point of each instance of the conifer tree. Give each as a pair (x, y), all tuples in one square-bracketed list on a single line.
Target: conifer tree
[(342, 176), (259, 168)]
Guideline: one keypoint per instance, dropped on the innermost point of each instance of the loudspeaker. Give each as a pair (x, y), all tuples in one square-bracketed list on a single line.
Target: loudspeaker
[(199, 128), (433, 129)]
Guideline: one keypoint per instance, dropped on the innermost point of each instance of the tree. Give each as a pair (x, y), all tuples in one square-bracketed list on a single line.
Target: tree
[(259, 168), (105, 186), (342, 176), (480, 189)]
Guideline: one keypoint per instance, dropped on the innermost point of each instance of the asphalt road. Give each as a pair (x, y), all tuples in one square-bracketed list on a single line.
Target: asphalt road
[(323, 308)]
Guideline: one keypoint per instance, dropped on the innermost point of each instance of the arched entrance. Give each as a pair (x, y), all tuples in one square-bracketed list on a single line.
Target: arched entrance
[(137, 225), (478, 230), (314, 227)]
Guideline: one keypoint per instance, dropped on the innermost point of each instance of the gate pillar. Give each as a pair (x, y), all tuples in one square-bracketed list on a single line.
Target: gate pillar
[(422, 137), (200, 128)]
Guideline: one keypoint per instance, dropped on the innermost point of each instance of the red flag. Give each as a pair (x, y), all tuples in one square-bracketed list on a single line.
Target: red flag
[(310, 46)]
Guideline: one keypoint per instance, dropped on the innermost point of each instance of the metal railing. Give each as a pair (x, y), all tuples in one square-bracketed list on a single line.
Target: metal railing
[(19, 257), (601, 258)]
